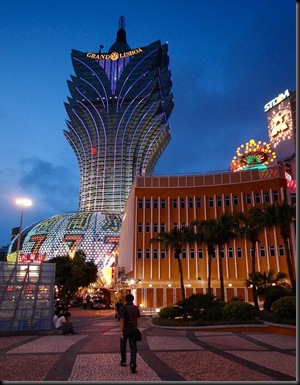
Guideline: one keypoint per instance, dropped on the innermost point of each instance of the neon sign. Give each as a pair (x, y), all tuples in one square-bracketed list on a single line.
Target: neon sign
[(276, 100), (253, 155), (113, 55)]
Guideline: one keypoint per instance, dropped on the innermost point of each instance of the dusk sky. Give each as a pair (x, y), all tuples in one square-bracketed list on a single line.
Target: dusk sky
[(227, 59)]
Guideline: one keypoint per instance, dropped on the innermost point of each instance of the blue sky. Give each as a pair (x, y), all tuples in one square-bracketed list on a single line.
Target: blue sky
[(228, 59)]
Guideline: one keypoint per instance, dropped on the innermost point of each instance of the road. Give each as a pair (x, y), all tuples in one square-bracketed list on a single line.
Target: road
[(167, 355)]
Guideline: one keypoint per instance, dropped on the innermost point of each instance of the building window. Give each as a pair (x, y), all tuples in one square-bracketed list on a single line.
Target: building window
[(147, 254), (272, 251), (198, 202), (182, 203), (219, 201), (257, 198), (140, 203), (155, 254), (183, 253), (191, 203), (175, 225), (222, 253), (251, 252), (239, 252), (147, 227), (148, 205), (281, 250), (211, 202), (155, 203), (162, 227), (174, 203), (200, 253), (139, 254), (227, 201), (275, 195), (140, 227), (163, 203), (230, 252), (192, 253), (155, 227), (262, 251), (183, 225), (162, 254), (267, 197), (248, 199), (235, 200), (213, 254)]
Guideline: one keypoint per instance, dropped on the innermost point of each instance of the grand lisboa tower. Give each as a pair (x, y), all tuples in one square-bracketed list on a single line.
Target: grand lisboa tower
[(118, 127)]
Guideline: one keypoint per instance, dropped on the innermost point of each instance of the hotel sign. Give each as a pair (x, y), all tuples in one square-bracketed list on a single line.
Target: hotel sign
[(113, 55), (276, 100)]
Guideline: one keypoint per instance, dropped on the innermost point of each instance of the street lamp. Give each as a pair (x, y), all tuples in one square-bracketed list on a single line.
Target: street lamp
[(23, 203)]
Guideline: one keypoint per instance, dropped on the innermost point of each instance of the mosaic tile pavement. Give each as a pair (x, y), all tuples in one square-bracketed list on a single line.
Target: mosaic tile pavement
[(165, 355)]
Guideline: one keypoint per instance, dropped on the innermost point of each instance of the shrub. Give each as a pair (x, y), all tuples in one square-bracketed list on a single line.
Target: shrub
[(285, 307), (215, 313), (271, 294), (238, 310), (197, 305), (170, 312)]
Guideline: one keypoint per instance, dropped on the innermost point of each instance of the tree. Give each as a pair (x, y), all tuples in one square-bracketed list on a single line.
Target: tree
[(268, 287), (251, 225), (282, 216), (176, 240), (205, 232), (72, 273), (224, 234), (217, 232)]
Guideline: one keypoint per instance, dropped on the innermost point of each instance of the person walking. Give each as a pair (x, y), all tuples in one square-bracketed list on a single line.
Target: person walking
[(118, 306), (128, 314)]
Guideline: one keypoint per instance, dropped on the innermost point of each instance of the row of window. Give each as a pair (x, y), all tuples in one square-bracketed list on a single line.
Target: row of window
[(230, 254), (217, 201)]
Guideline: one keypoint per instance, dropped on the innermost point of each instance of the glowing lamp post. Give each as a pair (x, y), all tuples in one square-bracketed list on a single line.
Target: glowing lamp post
[(23, 203)]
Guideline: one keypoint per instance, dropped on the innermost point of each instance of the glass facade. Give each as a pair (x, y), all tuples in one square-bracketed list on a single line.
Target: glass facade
[(118, 120), (26, 296)]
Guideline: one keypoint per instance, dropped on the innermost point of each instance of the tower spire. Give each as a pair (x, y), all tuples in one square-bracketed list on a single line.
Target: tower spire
[(122, 22)]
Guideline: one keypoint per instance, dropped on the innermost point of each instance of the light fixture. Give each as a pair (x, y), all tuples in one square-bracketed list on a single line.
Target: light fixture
[(23, 202)]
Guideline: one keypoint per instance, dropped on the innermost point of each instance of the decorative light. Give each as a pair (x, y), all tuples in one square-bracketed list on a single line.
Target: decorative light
[(254, 155)]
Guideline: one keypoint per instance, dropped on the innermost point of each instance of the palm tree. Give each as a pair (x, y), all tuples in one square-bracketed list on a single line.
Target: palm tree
[(225, 225), (268, 287), (251, 225), (282, 216), (175, 240), (206, 233), (216, 232)]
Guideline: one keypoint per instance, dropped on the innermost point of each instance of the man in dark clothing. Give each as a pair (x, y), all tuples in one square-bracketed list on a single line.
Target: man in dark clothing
[(129, 313), (119, 304)]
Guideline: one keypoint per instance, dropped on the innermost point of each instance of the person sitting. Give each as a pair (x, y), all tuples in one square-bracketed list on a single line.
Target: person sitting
[(56, 317), (64, 324)]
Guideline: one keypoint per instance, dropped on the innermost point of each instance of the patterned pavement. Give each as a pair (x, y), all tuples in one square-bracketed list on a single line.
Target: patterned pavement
[(165, 355)]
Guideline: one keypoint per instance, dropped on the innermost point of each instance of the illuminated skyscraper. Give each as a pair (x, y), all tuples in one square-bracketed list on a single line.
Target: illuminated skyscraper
[(119, 109), (118, 128)]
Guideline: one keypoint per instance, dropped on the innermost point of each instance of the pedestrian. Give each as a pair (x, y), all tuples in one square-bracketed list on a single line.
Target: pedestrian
[(64, 324), (56, 317), (119, 304), (128, 314)]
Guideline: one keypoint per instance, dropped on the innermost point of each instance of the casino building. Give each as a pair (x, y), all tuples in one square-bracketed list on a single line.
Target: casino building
[(118, 127), (161, 203)]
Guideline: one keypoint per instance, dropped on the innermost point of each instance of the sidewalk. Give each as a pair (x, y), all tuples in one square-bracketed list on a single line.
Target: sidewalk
[(163, 355)]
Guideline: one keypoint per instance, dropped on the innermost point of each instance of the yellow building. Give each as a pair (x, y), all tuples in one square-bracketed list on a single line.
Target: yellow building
[(160, 203)]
